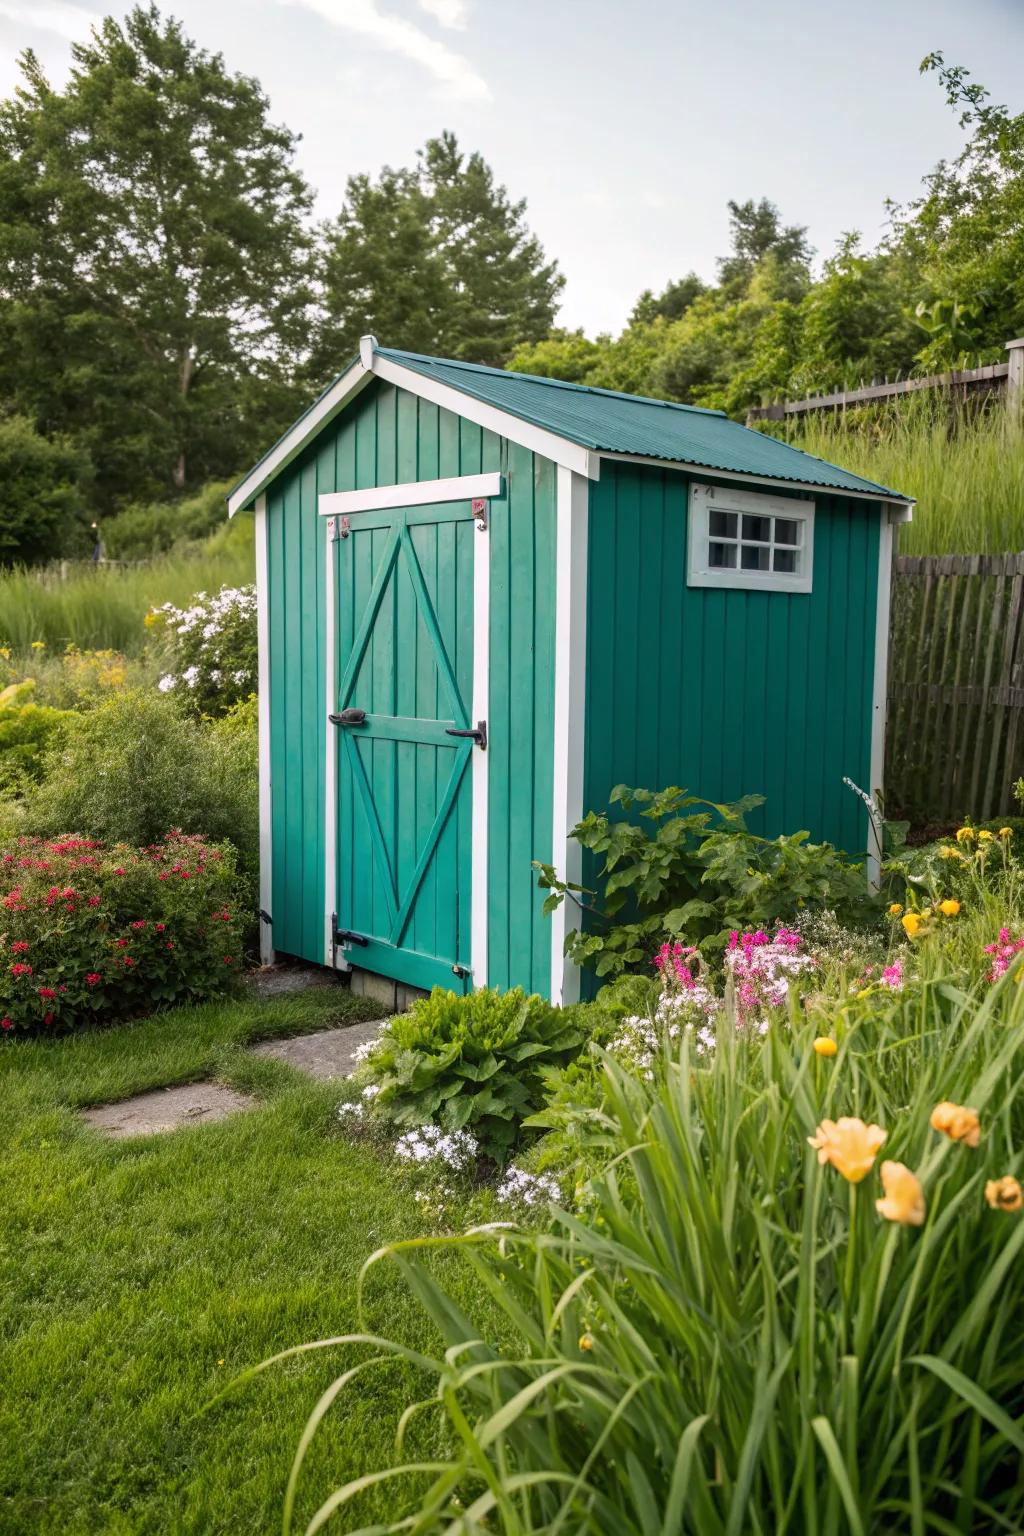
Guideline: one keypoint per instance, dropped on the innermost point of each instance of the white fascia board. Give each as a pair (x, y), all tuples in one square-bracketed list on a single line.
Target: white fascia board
[(549, 445), (263, 720), (734, 474), (412, 493), (324, 410)]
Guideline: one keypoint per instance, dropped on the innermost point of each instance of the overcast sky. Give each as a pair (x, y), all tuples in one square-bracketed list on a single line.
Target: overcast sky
[(626, 126)]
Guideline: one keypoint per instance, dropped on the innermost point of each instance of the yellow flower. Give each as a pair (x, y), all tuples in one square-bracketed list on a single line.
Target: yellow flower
[(1004, 1194), (895, 910), (949, 852), (957, 1121), (985, 837), (1005, 832), (586, 1341), (5, 652), (823, 1046), (966, 835), (949, 907), (849, 1145), (912, 924), (904, 1197), (150, 619), (39, 645)]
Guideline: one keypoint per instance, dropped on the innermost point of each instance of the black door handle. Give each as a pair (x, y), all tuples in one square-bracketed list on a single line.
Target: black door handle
[(479, 735), (349, 717)]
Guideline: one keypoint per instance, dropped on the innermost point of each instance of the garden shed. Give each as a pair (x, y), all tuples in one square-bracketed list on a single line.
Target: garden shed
[(486, 598)]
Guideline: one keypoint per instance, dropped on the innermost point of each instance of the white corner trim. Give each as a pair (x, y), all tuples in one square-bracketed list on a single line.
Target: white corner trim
[(879, 692), (263, 726), (548, 444), (571, 534), (295, 439), (412, 493), (707, 472), (367, 348), (481, 761), (331, 956)]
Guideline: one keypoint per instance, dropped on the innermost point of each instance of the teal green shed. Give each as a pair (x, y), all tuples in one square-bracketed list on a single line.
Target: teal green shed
[(484, 599)]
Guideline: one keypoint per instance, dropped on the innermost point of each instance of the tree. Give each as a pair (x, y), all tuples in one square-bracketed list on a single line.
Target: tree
[(41, 495), (759, 237), (154, 288), (671, 303), (435, 259)]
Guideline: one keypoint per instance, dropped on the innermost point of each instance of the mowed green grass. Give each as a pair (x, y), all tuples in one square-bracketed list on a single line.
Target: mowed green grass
[(139, 1278)]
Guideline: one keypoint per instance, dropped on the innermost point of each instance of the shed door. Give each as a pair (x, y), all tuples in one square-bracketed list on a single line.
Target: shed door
[(405, 580)]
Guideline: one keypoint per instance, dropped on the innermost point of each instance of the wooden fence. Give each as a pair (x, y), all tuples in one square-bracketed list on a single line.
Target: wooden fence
[(1005, 379), (955, 742)]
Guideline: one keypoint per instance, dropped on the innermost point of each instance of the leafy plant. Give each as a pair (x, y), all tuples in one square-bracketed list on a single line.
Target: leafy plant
[(732, 1334), (211, 647), (698, 877), (25, 729), (472, 1062), (92, 932)]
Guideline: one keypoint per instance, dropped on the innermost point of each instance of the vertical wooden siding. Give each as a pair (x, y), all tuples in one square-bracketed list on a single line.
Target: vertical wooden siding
[(388, 436), (729, 692)]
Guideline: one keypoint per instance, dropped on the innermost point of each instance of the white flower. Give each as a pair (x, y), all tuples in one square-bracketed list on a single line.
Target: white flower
[(521, 1188), (428, 1143), (191, 676), (167, 682), (240, 677)]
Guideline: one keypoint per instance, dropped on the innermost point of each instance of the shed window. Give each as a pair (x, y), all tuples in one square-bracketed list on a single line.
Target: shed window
[(746, 539)]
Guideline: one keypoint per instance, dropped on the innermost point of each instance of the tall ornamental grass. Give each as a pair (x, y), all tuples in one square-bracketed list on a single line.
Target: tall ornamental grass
[(728, 1334), (99, 607), (966, 469)]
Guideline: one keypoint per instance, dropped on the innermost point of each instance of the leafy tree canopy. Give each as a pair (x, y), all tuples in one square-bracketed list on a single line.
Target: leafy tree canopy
[(42, 495)]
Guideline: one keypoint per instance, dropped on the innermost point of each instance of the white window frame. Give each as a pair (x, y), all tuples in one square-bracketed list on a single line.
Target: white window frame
[(705, 499)]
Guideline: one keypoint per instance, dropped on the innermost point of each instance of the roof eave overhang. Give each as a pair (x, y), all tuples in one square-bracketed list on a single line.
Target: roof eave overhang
[(903, 505)]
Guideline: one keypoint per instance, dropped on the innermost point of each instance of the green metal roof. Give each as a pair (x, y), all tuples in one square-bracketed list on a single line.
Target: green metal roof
[(608, 422)]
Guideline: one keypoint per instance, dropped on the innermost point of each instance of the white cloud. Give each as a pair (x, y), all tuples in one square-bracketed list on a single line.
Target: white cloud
[(396, 35), (450, 13), (67, 21)]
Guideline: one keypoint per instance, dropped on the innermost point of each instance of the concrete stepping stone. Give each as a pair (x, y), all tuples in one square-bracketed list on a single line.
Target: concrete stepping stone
[(168, 1109), (327, 1054)]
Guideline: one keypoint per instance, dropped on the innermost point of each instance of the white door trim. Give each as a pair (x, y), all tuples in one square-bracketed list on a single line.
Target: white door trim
[(880, 686), (263, 728), (480, 765), (571, 523), (412, 493)]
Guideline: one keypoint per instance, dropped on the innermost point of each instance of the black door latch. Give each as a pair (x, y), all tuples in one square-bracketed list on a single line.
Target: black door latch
[(479, 735), (349, 717), (343, 936)]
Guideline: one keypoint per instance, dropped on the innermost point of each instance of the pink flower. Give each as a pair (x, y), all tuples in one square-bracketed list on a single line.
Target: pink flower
[(6, 1024), (159, 927), (1003, 952), (127, 962), (19, 947), (94, 901), (47, 992), (139, 923), (892, 976), (118, 870), (120, 943), (20, 969), (48, 1018), (93, 979)]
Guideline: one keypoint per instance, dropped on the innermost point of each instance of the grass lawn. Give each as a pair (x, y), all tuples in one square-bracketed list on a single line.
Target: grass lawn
[(139, 1277)]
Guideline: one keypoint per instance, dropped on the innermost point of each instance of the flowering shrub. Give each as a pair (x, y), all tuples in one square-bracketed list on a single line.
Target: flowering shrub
[(470, 1062), (88, 931), (762, 970), (211, 647)]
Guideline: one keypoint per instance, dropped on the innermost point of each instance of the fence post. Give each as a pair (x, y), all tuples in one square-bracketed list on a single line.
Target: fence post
[(1015, 379)]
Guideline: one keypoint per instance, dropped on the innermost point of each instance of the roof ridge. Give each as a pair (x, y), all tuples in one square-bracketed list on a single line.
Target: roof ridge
[(541, 378)]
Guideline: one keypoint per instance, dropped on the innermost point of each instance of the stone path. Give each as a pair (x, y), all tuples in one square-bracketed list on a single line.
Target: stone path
[(167, 1109), (327, 1054)]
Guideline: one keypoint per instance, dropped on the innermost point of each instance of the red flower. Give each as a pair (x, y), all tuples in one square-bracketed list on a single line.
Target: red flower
[(139, 923), (48, 1018), (47, 992), (118, 870), (93, 979), (19, 947), (169, 944), (228, 960), (121, 943), (20, 969), (163, 876), (6, 1024), (94, 901), (159, 927), (184, 874), (127, 961)]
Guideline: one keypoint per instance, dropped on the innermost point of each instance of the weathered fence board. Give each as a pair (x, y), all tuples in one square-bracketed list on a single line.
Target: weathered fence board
[(956, 686)]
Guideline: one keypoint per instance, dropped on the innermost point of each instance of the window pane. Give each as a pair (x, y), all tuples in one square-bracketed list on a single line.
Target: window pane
[(722, 557), (722, 525), (758, 528), (754, 558), (785, 560), (787, 530)]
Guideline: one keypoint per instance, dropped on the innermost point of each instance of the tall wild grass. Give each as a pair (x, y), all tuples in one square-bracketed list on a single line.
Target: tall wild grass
[(99, 607), (965, 468)]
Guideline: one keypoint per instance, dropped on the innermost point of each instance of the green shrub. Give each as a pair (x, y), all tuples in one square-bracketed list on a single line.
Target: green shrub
[(699, 877), (91, 932), (729, 1336), (42, 505), (472, 1062), (210, 648), (25, 729), (135, 767), (154, 528)]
